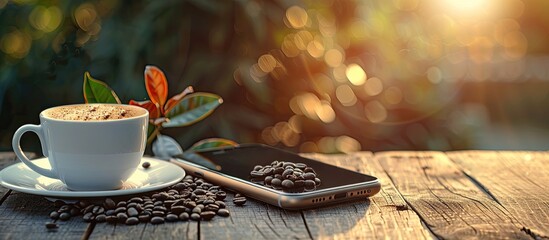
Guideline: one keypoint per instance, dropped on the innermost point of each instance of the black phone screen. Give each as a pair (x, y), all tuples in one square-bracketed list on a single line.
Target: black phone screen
[(240, 161)]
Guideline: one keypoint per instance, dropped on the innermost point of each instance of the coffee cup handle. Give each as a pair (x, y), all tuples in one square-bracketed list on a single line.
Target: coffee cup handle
[(37, 129)]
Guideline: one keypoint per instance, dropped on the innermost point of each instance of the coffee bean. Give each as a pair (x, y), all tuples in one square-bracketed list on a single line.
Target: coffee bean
[(100, 218), (173, 192), (112, 219), (132, 212), (207, 215), (158, 203), (88, 217), (195, 216), (171, 218), (98, 210), (64, 216), (120, 209), (110, 212), (177, 209), (278, 170), (190, 204), (221, 204), (309, 183), (184, 216), (288, 164), (64, 208), (109, 204), (122, 217), (276, 182), (220, 195), (54, 215), (121, 204), (291, 177), (287, 183), (239, 201), (180, 202), (74, 211), (268, 180), (51, 225), (158, 213), (211, 207), (309, 169), (208, 201), (144, 218), (82, 204), (199, 192), (179, 186), (299, 183), (301, 165), (197, 209), (268, 171), (131, 205), (317, 181), (132, 221), (146, 164), (163, 196), (257, 167), (256, 174), (279, 176), (287, 172), (159, 208), (309, 176), (223, 212)]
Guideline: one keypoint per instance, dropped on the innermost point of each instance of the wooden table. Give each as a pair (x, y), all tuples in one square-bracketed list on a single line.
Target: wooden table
[(425, 195)]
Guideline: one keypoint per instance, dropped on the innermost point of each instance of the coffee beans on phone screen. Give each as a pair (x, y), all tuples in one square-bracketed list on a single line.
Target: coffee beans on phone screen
[(286, 176), (193, 198)]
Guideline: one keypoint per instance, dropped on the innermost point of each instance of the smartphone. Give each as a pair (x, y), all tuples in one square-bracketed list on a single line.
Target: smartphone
[(230, 168)]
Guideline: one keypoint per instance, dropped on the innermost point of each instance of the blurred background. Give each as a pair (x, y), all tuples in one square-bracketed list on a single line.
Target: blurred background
[(311, 76)]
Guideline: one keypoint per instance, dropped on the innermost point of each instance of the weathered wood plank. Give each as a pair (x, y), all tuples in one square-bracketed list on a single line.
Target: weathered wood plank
[(383, 216), (255, 220), (23, 216), (7, 159), (517, 180), (450, 204), (177, 230)]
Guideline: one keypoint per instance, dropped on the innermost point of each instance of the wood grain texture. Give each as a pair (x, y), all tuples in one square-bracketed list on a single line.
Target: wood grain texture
[(450, 204), (176, 230), (255, 220), (383, 216), (23, 216), (517, 180), (7, 159)]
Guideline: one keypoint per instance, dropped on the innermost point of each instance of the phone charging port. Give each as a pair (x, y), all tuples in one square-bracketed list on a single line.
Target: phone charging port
[(340, 195)]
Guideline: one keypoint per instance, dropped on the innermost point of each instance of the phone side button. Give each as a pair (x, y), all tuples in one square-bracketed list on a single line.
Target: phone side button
[(199, 174)]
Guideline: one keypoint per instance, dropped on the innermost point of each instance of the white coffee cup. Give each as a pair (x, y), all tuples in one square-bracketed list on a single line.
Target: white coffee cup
[(88, 155)]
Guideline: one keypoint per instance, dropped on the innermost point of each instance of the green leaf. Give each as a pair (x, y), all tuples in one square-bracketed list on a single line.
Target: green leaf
[(192, 108), (165, 147), (212, 143), (96, 91)]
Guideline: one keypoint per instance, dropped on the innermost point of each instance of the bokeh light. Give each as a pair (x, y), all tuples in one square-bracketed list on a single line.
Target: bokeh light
[(355, 74), (314, 76)]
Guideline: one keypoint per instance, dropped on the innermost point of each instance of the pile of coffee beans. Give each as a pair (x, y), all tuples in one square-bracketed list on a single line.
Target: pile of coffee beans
[(191, 199), (287, 176)]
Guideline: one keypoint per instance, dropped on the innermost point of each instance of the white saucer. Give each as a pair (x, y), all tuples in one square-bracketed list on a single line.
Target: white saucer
[(159, 175)]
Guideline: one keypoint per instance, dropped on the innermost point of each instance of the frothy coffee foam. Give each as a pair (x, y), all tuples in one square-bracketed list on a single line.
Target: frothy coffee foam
[(93, 112)]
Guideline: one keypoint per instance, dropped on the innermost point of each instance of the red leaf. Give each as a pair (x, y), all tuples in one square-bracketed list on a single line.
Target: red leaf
[(172, 102), (150, 106), (156, 85)]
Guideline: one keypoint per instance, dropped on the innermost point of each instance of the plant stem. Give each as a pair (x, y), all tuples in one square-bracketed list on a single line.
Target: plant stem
[(154, 134)]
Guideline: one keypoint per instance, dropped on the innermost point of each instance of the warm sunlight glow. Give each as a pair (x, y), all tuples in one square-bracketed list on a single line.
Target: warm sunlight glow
[(467, 5), (355, 74)]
